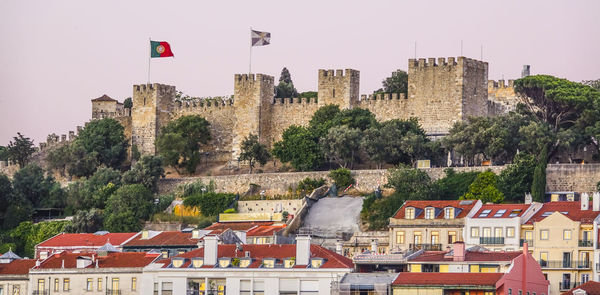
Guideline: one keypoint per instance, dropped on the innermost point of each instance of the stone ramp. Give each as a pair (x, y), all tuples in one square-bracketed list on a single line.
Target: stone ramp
[(333, 217)]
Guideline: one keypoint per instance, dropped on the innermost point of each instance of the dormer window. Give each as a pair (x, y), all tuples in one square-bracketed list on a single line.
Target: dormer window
[(195, 234), (268, 263), (224, 262), (429, 213), (316, 262), (197, 262), (245, 262), (289, 262), (409, 213), (178, 262), (449, 212), (145, 234)]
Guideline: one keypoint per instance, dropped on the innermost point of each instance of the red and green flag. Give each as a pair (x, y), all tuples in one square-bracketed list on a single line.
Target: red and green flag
[(160, 49)]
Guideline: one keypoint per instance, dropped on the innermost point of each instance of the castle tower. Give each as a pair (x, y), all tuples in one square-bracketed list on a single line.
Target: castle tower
[(253, 98), (152, 106), (339, 88), (444, 92)]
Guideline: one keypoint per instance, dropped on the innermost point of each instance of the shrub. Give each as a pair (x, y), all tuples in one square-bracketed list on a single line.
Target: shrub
[(307, 185), (211, 203), (342, 177)]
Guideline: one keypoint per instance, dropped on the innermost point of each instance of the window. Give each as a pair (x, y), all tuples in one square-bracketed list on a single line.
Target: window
[(409, 213), (498, 232), (529, 235), (41, 285), (89, 285), (133, 284), (485, 213), (474, 232), (429, 213), (269, 262), (547, 213), (245, 262), (487, 232), (178, 262), (155, 288), (566, 234), (417, 238), (245, 287), (66, 284), (289, 262), (509, 291), (99, 284), (224, 262), (333, 92), (543, 234), (543, 259), (16, 290), (514, 213), (400, 237), (474, 268), (585, 278), (259, 287), (510, 232), (316, 262), (167, 288), (197, 262), (451, 237), (165, 253), (449, 213), (500, 212), (56, 285), (309, 287), (115, 286), (520, 292), (435, 237)]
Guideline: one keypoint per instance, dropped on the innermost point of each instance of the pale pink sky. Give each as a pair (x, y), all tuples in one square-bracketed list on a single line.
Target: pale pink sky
[(57, 55)]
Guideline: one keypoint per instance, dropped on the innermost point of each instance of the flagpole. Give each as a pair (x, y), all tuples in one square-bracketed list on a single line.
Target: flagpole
[(250, 59), (149, 58)]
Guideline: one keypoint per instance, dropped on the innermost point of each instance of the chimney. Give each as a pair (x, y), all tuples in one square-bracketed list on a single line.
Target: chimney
[(302, 250), (585, 201), (37, 263), (374, 246), (211, 247), (459, 251), (596, 201), (83, 262), (525, 249), (528, 198), (339, 249)]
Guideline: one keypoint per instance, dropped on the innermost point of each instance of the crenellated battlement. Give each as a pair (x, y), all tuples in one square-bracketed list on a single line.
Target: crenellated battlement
[(144, 89), (338, 73), (444, 62), (250, 78), (204, 103), (382, 96), (295, 100), (500, 84)]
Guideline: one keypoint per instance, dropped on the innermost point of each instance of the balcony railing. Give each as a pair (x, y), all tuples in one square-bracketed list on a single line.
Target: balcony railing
[(426, 247), (491, 240), (586, 243), (565, 264), (40, 292), (529, 242), (566, 285), (113, 291)]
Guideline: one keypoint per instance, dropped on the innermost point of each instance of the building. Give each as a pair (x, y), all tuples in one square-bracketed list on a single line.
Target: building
[(112, 273), (107, 107), (430, 225), (498, 226), (80, 242), (240, 228), (14, 278), (589, 288), (563, 236), (247, 269), (264, 234), (365, 283), (372, 241)]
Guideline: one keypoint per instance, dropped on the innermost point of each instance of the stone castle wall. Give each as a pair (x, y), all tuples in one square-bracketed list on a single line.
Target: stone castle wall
[(572, 177), (290, 111), (339, 87), (501, 97), (152, 108)]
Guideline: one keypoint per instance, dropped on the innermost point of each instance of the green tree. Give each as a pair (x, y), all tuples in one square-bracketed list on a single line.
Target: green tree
[(93, 192), (455, 184), (127, 208), (341, 144), (285, 88), (26, 235), (397, 83), (81, 163), (6, 191), (254, 151), (86, 221), (128, 103), (515, 181), (147, 171), (358, 118), (300, 147), (538, 185), (484, 188), (20, 150), (210, 203), (58, 158), (411, 183), (32, 187), (323, 119), (179, 142), (105, 139), (3, 153), (469, 138), (342, 177)]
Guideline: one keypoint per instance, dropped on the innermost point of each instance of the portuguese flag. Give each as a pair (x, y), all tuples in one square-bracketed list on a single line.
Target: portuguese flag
[(160, 49)]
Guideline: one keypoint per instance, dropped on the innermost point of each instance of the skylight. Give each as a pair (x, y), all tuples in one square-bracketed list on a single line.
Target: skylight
[(466, 202), (500, 212), (485, 213), (547, 213), (515, 213)]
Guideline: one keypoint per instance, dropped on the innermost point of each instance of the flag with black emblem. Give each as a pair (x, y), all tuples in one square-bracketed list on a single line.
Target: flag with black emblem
[(260, 38)]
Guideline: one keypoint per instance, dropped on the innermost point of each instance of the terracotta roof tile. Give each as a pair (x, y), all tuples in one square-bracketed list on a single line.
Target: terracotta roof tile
[(88, 240), (238, 226), (264, 230), (104, 98), (170, 238), (455, 279), (572, 210), (494, 208), (464, 205), (259, 252), (17, 267), (591, 287), (470, 256), (121, 259)]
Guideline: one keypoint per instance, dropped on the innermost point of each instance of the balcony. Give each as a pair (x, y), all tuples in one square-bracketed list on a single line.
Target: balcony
[(491, 240), (426, 247), (565, 264), (113, 291), (40, 292), (529, 242), (586, 243), (567, 285)]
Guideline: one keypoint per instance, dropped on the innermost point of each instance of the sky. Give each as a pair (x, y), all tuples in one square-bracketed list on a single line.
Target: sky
[(55, 56)]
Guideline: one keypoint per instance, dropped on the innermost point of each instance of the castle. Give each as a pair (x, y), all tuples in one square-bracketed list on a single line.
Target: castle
[(441, 92)]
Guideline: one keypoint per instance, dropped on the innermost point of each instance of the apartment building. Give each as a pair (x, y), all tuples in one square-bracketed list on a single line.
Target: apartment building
[(14, 270), (80, 242)]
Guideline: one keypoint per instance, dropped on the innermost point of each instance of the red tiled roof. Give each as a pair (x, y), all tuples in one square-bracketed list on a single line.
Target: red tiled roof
[(439, 205), (591, 287), (448, 278), (104, 98), (87, 240), (496, 207), (119, 259), (258, 252), (17, 267), (264, 230), (238, 226), (470, 256), (572, 209), (171, 238)]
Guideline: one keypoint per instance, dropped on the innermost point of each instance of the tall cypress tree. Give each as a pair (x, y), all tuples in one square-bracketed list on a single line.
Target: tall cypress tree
[(538, 185)]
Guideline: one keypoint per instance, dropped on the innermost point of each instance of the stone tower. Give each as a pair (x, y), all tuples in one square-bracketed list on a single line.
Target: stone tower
[(253, 100), (152, 107), (341, 88), (444, 92)]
